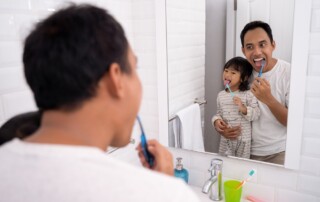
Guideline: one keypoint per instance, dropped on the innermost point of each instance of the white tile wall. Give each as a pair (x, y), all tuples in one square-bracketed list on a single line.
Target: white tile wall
[(1, 112), (11, 79), (17, 102), (312, 84), (292, 196), (315, 23), (313, 64), (11, 52), (186, 51), (310, 165), (311, 147), (309, 184), (311, 107), (18, 16), (15, 4), (260, 191), (314, 41), (277, 177)]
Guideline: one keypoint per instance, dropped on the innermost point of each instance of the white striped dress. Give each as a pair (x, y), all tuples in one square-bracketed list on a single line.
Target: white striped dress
[(229, 112)]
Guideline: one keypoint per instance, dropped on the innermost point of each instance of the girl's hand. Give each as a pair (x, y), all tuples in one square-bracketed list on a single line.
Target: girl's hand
[(242, 108)]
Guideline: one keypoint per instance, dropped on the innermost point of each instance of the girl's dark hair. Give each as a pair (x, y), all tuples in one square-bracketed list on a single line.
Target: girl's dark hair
[(20, 126), (244, 67)]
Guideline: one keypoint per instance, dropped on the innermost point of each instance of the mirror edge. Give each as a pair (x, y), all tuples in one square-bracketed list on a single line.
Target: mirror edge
[(300, 51), (162, 68)]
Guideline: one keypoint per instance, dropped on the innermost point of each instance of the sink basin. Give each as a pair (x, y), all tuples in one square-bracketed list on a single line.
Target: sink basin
[(203, 197)]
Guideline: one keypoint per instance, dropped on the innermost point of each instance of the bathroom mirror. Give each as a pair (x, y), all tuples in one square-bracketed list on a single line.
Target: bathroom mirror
[(199, 42)]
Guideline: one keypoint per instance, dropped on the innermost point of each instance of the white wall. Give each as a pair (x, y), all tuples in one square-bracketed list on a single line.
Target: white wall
[(186, 52), (16, 20), (137, 18)]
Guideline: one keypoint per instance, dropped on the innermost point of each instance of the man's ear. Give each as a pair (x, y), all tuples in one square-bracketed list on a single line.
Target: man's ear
[(113, 81), (274, 44), (242, 50)]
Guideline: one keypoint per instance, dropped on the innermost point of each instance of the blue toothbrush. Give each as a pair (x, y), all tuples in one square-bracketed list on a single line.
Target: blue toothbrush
[(231, 93), (149, 157), (263, 63)]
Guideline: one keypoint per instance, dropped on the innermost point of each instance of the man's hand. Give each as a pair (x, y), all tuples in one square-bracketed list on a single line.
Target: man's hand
[(260, 88), (163, 161), (226, 131)]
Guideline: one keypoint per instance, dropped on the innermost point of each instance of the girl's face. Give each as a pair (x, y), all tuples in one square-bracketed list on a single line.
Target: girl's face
[(232, 76)]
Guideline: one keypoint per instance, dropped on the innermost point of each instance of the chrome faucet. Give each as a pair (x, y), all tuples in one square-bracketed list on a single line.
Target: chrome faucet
[(214, 184)]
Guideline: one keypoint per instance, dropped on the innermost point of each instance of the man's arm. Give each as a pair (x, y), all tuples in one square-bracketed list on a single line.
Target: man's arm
[(278, 110), (261, 89)]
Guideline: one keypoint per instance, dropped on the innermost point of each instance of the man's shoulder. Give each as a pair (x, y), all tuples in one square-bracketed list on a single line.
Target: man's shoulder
[(283, 64), (283, 69), (72, 170), (151, 183)]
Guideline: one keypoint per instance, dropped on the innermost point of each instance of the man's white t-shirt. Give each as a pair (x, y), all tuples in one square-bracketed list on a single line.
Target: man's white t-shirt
[(48, 172), (268, 134)]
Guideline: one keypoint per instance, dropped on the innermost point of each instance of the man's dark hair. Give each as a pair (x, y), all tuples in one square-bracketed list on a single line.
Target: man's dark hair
[(20, 126), (67, 54), (253, 25), (244, 67)]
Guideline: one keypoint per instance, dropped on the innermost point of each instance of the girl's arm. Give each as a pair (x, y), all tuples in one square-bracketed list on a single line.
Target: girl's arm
[(253, 110), (222, 127), (242, 107), (219, 112)]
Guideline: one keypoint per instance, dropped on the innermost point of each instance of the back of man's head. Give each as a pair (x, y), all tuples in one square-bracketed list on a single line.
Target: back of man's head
[(67, 54), (253, 25)]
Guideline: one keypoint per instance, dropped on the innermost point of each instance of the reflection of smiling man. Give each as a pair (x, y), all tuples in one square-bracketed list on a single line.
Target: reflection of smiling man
[(271, 90)]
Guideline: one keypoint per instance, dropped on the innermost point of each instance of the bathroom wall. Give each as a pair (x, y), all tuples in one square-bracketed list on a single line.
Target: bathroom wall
[(137, 18), (16, 19), (186, 52)]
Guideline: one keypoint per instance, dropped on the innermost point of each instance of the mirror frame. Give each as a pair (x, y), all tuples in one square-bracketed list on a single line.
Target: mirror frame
[(299, 65)]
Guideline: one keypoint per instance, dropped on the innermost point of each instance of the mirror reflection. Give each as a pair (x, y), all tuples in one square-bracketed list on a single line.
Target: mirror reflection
[(239, 113)]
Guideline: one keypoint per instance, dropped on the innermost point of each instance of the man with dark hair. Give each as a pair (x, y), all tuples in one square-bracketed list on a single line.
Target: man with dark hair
[(82, 72), (272, 91)]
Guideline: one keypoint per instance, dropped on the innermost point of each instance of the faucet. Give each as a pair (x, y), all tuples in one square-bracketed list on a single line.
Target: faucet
[(214, 184)]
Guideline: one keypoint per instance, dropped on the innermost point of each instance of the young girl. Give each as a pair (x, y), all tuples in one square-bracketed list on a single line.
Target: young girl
[(236, 107)]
